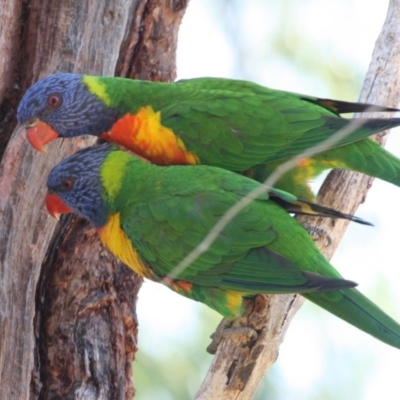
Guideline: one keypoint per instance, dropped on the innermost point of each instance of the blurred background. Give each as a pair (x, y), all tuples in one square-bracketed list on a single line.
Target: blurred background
[(311, 47)]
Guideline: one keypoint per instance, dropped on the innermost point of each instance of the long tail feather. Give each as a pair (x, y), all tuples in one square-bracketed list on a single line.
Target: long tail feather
[(367, 157), (353, 307)]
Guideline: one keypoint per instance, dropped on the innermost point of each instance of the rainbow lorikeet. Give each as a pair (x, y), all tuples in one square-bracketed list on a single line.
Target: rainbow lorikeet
[(152, 216), (235, 125)]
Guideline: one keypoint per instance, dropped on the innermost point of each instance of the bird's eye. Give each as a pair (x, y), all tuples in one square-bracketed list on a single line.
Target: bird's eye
[(67, 184), (54, 101)]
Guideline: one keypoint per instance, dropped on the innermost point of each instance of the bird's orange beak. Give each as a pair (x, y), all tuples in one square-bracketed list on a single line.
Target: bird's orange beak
[(55, 206), (39, 134)]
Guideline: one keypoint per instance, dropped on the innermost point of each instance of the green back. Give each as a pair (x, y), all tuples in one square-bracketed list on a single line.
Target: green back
[(228, 123)]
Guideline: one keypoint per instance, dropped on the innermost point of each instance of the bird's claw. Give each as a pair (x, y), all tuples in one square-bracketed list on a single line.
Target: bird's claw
[(239, 334), (317, 233)]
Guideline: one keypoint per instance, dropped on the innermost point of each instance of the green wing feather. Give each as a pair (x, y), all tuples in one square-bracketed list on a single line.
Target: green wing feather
[(353, 307)]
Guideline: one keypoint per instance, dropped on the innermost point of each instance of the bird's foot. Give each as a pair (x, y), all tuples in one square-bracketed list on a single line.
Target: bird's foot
[(317, 234), (225, 330)]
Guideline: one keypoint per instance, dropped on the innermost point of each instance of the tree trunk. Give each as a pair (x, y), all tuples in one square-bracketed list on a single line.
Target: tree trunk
[(67, 308), (237, 369)]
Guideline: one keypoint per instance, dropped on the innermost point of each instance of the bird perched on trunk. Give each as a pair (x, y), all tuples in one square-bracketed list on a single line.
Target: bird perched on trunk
[(235, 125), (151, 217)]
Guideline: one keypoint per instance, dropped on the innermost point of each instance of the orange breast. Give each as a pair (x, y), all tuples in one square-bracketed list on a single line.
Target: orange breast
[(144, 134)]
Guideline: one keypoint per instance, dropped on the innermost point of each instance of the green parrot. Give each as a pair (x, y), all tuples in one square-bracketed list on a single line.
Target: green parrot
[(232, 124), (151, 217)]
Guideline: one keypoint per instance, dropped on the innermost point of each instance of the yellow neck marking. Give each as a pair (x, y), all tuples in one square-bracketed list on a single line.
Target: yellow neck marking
[(115, 239), (97, 88), (112, 173)]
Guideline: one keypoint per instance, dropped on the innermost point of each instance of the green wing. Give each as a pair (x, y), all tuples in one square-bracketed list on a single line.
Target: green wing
[(252, 255)]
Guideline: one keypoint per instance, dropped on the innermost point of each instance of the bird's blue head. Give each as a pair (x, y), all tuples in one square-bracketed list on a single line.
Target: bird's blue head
[(62, 105), (75, 185)]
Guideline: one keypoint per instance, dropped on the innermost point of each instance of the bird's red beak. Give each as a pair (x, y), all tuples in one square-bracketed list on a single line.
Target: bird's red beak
[(55, 206), (40, 134)]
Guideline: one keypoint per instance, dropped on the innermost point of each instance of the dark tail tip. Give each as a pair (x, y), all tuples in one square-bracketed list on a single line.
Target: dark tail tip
[(344, 107), (320, 283)]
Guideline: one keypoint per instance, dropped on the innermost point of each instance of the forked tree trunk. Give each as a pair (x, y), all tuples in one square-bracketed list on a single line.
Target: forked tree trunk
[(67, 307)]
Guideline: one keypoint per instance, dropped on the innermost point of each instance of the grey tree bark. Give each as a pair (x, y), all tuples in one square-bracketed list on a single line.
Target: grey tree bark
[(67, 307)]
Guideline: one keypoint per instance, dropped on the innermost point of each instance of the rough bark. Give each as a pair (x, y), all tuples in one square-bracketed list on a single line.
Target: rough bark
[(86, 327), (78, 338), (9, 93), (237, 369)]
